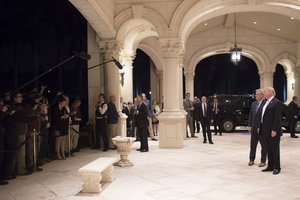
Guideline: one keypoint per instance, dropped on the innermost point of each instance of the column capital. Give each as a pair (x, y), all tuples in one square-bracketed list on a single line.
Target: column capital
[(267, 74), (297, 72), (127, 57), (109, 48), (172, 48), (161, 74), (189, 75)]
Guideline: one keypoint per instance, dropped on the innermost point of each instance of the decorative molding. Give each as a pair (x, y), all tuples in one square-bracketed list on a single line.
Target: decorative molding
[(172, 48)]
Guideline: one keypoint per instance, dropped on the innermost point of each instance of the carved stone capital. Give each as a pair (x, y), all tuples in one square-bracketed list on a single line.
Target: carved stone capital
[(109, 48), (172, 48), (189, 75), (127, 57)]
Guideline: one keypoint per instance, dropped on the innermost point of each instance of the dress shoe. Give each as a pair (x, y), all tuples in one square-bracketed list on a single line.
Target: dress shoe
[(187, 136), (139, 149), (193, 136), (267, 169), (25, 173), (215, 134), (250, 163), (220, 134), (154, 139), (136, 140), (3, 182), (211, 142), (113, 148), (262, 164), (276, 171), (105, 149), (9, 177), (143, 150), (204, 141), (294, 136)]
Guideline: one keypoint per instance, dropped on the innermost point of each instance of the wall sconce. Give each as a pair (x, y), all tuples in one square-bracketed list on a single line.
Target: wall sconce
[(122, 73), (293, 86)]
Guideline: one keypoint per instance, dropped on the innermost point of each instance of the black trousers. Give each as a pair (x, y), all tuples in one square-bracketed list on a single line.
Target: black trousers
[(143, 133), (292, 126), (273, 150), (205, 123), (196, 125), (255, 138), (217, 128), (101, 131)]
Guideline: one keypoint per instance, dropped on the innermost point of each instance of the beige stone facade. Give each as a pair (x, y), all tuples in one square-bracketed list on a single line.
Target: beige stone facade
[(177, 34)]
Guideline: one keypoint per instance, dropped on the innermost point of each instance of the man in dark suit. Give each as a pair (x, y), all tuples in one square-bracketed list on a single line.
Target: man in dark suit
[(254, 124), (271, 129), (129, 111), (142, 123), (216, 110), (293, 112), (205, 119), (196, 123)]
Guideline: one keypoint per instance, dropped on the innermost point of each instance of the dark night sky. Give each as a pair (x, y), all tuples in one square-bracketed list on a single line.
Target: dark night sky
[(36, 35), (218, 75)]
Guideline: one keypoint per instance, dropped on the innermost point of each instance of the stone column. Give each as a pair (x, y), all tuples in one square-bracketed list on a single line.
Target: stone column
[(161, 88), (112, 80), (290, 82), (126, 59), (296, 84), (267, 79), (189, 83), (95, 75), (172, 120)]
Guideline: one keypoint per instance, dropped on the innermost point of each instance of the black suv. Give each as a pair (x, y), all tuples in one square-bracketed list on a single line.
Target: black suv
[(235, 110)]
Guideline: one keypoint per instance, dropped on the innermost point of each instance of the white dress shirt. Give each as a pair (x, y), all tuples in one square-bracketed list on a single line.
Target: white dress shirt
[(264, 108)]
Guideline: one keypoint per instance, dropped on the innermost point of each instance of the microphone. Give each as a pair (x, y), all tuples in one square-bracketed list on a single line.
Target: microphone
[(82, 55), (117, 63)]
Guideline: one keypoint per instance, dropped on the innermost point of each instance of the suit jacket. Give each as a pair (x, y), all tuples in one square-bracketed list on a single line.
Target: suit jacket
[(255, 116), (196, 112), (272, 118), (208, 112), (141, 118), (187, 105), (293, 110), (129, 114)]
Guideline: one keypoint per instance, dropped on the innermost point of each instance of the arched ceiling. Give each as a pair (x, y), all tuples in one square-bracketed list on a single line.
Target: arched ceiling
[(282, 26)]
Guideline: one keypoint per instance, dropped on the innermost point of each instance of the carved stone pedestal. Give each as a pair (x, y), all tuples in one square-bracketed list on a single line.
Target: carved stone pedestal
[(123, 148)]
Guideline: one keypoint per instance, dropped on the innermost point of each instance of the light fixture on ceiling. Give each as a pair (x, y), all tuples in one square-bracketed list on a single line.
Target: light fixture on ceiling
[(254, 22), (205, 24), (292, 18), (235, 51)]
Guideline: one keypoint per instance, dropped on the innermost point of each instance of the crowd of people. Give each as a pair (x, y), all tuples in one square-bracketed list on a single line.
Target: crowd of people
[(141, 121), (29, 121)]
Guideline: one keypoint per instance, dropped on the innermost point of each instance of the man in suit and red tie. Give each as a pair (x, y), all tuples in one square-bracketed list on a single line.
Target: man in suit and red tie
[(205, 119), (271, 129), (254, 124)]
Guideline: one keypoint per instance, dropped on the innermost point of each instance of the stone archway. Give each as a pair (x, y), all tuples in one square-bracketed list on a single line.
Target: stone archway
[(288, 62), (198, 12), (130, 35), (257, 55)]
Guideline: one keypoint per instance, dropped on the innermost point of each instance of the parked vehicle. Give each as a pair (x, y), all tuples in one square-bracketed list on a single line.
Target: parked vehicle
[(235, 111)]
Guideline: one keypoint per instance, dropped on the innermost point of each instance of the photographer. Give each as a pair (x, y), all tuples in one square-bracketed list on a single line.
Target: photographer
[(3, 113)]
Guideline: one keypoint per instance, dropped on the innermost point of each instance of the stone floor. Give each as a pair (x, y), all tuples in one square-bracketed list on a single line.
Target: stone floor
[(198, 171)]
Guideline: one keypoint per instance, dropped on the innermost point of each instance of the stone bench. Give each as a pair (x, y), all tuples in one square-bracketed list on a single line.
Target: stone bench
[(92, 174)]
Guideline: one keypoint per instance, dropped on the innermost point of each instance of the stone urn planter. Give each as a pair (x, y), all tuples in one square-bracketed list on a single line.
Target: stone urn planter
[(123, 148)]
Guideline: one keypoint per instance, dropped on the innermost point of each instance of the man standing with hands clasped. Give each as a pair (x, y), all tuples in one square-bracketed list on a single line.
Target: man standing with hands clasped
[(254, 124), (142, 123), (271, 130)]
